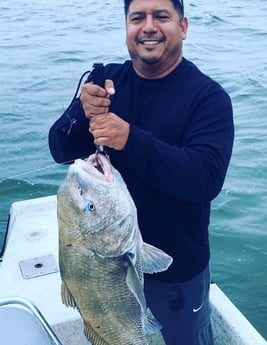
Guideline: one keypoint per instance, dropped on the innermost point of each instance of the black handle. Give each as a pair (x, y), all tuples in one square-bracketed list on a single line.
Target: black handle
[(98, 74)]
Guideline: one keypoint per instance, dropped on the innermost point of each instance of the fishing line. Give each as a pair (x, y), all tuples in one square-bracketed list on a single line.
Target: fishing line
[(34, 171), (71, 123), (73, 99)]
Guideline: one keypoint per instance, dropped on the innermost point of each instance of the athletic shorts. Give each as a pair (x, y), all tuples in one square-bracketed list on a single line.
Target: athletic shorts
[(183, 309)]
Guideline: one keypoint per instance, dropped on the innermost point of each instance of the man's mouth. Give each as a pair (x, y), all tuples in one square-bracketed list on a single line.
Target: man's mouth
[(150, 42)]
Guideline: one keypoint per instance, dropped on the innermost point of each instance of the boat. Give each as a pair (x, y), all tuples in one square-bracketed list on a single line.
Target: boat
[(30, 286)]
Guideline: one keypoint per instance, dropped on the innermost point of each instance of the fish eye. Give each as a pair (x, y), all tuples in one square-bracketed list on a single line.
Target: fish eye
[(89, 207)]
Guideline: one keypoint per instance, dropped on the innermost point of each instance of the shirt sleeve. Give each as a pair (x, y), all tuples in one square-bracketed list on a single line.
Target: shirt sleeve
[(69, 137)]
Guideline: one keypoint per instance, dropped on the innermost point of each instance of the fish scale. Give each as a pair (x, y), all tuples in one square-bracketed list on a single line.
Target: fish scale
[(100, 303)]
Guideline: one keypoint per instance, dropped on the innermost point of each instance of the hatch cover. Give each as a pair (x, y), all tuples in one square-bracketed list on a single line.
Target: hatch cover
[(40, 266)]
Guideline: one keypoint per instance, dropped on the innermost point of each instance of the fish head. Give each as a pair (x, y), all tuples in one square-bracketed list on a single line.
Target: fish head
[(98, 207)]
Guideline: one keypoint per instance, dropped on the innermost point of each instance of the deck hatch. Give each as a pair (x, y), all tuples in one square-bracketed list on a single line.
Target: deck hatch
[(39, 266)]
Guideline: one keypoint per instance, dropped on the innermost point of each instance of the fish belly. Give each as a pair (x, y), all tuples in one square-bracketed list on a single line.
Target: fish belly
[(97, 287)]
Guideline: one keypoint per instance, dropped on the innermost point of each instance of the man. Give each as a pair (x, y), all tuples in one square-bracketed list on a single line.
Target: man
[(168, 129)]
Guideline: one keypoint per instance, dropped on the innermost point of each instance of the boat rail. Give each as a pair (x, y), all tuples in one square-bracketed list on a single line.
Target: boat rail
[(31, 327)]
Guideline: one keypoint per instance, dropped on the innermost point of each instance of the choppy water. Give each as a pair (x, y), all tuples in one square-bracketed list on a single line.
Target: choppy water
[(46, 45)]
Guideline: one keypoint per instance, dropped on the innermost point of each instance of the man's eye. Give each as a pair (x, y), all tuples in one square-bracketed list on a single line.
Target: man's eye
[(162, 18), (136, 19)]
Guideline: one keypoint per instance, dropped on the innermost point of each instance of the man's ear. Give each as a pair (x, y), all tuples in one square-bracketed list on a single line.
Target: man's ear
[(184, 26)]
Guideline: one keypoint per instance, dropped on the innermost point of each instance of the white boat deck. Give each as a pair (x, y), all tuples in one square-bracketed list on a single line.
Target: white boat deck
[(32, 244)]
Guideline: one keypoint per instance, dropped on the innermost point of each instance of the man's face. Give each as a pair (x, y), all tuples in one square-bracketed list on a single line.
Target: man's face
[(155, 35)]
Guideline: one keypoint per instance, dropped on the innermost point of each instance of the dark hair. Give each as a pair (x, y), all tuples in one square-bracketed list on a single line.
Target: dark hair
[(177, 4)]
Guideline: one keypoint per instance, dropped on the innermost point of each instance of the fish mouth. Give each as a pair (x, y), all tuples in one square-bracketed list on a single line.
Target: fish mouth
[(97, 165)]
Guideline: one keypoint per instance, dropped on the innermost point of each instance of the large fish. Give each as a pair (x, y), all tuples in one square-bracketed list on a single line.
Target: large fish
[(103, 258)]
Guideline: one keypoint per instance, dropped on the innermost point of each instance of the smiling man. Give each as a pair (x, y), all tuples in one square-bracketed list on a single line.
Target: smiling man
[(155, 32), (168, 129)]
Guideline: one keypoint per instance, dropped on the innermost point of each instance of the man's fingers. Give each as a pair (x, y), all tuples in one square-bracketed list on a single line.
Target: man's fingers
[(95, 99), (109, 87), (110, 130), (94, 90)]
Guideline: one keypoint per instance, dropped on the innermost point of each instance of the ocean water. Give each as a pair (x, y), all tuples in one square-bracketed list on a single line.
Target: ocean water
[(46, 45)]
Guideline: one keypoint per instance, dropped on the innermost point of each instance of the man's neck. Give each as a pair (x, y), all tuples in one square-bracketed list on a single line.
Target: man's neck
[(152, 72)]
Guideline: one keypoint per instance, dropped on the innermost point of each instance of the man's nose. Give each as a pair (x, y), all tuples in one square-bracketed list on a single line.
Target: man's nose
[(149, 24)]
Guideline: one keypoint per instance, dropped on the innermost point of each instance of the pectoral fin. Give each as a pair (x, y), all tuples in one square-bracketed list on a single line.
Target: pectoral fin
[(154, 260)]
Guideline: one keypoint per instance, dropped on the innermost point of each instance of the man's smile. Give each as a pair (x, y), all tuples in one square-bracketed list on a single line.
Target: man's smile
[(150, 42)]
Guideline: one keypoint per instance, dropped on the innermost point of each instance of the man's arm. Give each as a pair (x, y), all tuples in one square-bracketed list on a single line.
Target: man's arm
[(69, 137)]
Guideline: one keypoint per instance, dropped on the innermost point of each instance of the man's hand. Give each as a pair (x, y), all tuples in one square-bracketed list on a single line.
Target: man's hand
[(109, 130), (95, 99)]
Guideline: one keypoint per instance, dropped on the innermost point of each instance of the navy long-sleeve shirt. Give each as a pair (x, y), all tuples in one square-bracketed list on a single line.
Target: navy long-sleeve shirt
[(175, 159)]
